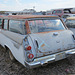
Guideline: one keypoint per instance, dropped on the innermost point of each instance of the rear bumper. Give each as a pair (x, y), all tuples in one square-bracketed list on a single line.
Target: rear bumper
[(49, 59)]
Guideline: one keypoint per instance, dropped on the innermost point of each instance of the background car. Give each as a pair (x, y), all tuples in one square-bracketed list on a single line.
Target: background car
[(66, 16), (61, 12), (70, 23)]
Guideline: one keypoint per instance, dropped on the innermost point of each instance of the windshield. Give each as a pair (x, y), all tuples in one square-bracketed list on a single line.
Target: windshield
[(70, 23), (45, 25)]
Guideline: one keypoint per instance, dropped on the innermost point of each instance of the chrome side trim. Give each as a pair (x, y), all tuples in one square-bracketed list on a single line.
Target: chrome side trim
[(71, 52)]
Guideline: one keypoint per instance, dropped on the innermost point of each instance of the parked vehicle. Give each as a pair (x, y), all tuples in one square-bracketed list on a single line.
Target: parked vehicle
[(48, 12), (61, 12), (1, 21), (36, 40), (70, 23), (66, 16)]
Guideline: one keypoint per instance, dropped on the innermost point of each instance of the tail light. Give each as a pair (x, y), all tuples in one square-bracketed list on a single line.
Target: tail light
[(30, 56), (28, 48)]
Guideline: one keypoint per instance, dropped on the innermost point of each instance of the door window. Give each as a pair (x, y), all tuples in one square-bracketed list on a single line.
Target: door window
[(5, 24), (17, 26), (59, 11), (54, 12)]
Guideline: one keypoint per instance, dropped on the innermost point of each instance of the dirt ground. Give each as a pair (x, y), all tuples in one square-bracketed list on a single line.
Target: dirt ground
[(62, 67)]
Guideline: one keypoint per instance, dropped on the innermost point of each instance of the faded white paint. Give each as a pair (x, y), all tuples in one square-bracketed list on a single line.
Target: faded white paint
[(9, 39), (51, 45)]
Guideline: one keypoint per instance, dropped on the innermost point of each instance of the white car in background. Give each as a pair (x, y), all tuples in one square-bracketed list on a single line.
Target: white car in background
[(66, 16)]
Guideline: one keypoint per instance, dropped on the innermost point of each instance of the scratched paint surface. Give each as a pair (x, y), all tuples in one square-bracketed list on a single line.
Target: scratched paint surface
[(49, 43)]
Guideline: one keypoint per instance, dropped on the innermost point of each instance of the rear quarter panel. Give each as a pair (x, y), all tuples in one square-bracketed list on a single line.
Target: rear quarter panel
[(15, 47)]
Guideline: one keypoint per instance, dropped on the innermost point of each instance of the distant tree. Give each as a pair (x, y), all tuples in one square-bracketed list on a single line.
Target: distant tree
[(2, 12)]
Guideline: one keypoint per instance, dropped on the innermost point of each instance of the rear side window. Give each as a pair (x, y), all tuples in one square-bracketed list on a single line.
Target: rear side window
[(59, 11), (0, 23), (5, 24), (16, 26)]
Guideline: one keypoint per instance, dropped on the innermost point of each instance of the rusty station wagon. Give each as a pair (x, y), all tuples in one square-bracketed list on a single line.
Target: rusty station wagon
[(36, 40)]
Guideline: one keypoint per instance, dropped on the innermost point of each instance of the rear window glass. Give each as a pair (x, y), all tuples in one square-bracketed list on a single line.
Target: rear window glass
[(45, 25)]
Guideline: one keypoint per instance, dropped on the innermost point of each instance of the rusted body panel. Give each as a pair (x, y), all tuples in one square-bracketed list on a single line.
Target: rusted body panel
[(30, 16), (26, 16)]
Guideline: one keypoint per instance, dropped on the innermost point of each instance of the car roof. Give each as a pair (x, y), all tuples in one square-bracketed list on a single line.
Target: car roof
[(71, 18), (57, 9), (27, 16), (68, 14)]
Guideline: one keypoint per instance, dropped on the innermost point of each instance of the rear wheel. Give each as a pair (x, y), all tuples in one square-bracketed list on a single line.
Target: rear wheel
[(11, 56)]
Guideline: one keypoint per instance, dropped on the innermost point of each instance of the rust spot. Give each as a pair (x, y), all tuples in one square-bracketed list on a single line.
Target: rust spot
[(59, 49), (27, 27), (49, 31), (29, 16), (42, 45), (43, 54)]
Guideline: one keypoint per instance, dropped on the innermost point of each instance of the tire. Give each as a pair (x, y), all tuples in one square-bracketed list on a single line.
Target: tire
[(11, 56)]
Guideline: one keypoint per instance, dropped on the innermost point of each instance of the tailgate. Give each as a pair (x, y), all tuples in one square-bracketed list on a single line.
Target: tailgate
[(52, 42)]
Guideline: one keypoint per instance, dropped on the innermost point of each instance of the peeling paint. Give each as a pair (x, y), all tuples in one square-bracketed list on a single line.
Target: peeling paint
[(59, 49), (42, 45)]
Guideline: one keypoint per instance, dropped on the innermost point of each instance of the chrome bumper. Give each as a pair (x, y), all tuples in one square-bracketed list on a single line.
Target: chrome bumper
[(49, 59)]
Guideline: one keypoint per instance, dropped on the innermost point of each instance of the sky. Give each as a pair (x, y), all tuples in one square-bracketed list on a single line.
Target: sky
[(40, 5)]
